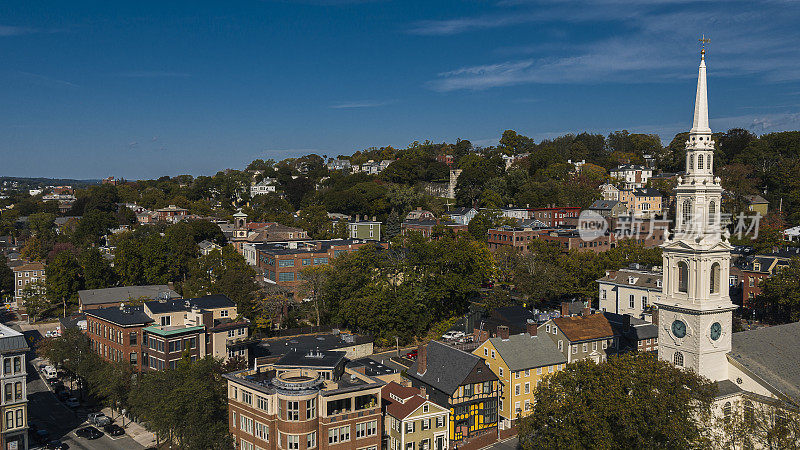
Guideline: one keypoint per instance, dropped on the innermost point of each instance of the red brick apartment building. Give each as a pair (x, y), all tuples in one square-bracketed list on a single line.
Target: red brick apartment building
[(756, 268), (556, 216), (305, 401), (518, 238), (282, 262), (158, 334), (116, 333)]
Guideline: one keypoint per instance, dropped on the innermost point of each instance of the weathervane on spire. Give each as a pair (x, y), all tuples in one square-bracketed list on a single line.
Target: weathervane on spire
[(703, 41)]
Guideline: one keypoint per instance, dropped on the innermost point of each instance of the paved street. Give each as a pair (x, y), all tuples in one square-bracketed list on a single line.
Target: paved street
[(508, 444), (47, 412)]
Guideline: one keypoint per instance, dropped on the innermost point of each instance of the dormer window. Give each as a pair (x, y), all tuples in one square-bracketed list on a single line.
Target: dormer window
[(631, 280), (757, 267)]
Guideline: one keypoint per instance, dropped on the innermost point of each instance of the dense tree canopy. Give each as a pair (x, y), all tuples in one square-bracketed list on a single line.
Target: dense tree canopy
[(629, 402)]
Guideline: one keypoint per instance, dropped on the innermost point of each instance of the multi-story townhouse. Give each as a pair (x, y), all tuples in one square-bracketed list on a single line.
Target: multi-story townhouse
[(364, 229), (199, 327), (14, 411), (554, 216), (411, 421), (515, 237), (25, 274), (632, 175), (520, 362), (159, 333), (631, 291), (754, 269), (282, 262), (305, 401), (609, 208), (171, 213), (642, 202), (116, 333), (264, 186), (588, 336), (462, 383)]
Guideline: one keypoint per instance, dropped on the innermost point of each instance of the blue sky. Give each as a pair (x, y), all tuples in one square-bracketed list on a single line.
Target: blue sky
[(148, 88)]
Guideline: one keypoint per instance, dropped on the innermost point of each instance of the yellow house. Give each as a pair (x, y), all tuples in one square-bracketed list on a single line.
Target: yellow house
[(520, 362)]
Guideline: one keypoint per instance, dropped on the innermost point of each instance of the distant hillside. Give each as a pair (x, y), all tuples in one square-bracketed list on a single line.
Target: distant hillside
[(34, 182)]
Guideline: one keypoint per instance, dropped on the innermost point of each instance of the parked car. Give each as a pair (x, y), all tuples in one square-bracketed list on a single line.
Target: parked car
[(98, 419), (88, 433), (49, 372), (41, 435), (412, 354), (450, 335), (56, 445), (113, 429), (72, 402)]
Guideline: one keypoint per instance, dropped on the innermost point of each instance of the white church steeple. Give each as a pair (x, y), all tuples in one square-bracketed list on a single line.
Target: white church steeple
[(694, 313)]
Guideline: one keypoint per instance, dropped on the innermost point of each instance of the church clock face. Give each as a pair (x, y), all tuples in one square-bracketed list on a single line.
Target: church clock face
[(716, 330), (679, 328)]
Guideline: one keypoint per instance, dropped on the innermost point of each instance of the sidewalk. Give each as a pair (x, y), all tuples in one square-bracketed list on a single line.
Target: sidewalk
[(132, 429)]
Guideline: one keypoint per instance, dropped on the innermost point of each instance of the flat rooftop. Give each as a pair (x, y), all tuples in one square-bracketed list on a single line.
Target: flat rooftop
[(277, 347)]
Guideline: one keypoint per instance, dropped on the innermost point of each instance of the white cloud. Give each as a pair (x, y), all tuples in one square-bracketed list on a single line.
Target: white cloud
[(651, 45)]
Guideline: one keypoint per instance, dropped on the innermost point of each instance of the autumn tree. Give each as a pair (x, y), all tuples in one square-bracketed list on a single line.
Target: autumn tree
[(632, 401), (779, 301)]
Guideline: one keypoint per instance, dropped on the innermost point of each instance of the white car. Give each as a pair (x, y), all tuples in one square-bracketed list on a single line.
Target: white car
[(450, 335), (49, 372)]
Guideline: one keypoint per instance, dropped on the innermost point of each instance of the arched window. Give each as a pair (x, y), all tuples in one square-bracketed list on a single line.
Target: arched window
[(749, 413), (678, 359), (683, 277), (687, 213), (700, 161), (708, 164), (712, 212), (726, 411), (715, 274)]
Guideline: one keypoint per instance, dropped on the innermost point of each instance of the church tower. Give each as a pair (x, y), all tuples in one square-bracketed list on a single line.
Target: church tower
[(695, 311)]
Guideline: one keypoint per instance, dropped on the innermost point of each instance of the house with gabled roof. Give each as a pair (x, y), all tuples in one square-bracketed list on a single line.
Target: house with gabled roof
[(411, 421), (588, 336), (462, 383), (520, 361)]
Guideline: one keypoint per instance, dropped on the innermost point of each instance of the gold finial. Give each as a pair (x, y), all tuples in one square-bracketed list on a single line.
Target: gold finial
[(703, 41)]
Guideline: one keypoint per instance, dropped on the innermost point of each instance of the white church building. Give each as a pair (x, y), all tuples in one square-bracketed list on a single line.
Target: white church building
[(695, 312)]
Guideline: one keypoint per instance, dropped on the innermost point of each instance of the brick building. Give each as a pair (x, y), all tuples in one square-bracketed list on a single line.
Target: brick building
[(515, 237), (159, 333), (556, 216), (116, 333), (307, 400), (282, 262)]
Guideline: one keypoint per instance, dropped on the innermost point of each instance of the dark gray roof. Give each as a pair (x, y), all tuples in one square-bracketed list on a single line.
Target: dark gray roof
[(12, 340), (324, 341), (205, 302), (375, 366), (127, 316), (447, 367), (460, 211), (604, 204), (641, 278), (71, 321), (123, 293), (772, 354), (647, 192), (523, 351), (311, 358), (726, 388)]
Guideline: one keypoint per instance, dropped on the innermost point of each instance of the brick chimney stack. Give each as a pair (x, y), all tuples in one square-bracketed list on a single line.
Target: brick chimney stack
[(422, 359), (564, 309), (532, 328), (587, 311), (502, 331)]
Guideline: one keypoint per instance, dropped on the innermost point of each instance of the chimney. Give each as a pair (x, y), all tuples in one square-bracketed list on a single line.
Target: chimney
[(423, 391), (502, 332), (422, 359), (532, 328), (655, 316), (564, 309), (587, 311), (626, 321)]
